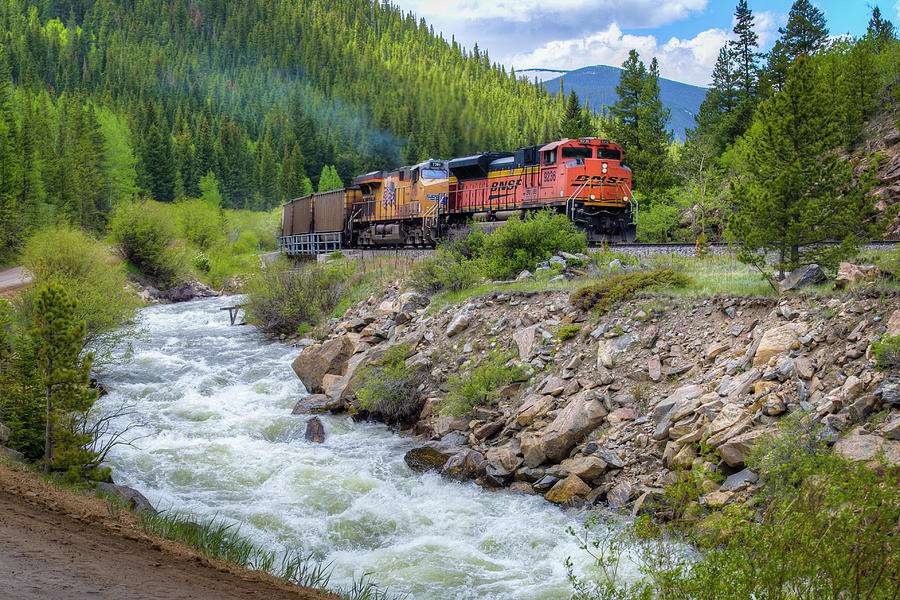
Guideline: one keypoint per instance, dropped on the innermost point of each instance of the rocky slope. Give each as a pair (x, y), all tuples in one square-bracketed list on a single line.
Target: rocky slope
[(636, 399)]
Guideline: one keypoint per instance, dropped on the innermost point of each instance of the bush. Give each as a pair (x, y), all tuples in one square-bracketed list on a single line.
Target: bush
[(521, 245), (443, 271), (83, 267), (480, 385), (280, 300), (825, 528), (605, 295), (567, 332), (201, 223), (887, 352), (143, 232), (247, 243), (388, 389)]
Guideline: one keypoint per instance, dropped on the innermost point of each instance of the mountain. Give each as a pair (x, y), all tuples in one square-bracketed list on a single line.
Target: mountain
[(597, 85)]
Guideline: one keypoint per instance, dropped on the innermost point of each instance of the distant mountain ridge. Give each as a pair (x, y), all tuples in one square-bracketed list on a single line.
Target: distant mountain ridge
[(597, 85)]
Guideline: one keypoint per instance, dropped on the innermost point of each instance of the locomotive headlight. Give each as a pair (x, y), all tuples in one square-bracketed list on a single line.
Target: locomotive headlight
[(593, 197), (603, 167)]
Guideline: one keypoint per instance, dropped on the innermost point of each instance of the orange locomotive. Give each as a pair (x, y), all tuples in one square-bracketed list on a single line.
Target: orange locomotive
[(417, 205), (583, 178)]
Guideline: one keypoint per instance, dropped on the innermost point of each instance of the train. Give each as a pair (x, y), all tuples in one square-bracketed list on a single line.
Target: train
[(417, 205)]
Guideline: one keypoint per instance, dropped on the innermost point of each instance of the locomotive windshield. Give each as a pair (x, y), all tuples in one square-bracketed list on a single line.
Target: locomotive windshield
[(431, 173), (577, 153), (609, 154)]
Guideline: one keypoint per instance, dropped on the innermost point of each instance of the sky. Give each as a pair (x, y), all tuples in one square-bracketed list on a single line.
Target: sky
[(684, 35)]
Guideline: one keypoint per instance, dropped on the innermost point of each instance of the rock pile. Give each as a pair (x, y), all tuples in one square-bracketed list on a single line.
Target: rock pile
[(632, 403)]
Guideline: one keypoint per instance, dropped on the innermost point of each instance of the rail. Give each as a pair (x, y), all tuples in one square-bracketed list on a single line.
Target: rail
[(310, 244)]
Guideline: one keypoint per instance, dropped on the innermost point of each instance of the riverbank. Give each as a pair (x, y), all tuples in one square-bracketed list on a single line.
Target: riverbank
[(58, 545), (661, 390)]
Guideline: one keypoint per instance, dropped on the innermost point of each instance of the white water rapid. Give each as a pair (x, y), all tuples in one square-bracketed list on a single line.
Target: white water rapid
[(214, 402)]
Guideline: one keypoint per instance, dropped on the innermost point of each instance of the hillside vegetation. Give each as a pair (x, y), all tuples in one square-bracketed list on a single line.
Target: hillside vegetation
[(107, 99)]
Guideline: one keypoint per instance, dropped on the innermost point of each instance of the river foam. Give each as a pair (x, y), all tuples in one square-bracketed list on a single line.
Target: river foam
[(213, 403)]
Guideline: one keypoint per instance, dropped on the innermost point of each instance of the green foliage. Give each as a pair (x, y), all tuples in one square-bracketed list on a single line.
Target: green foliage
[(443, 270), (522, 244), (785, 197), (480, 384), (247, 243), (143, 233), (611, 291), (388, 388), (575, 121), (209, 190), (83, 266), (329, 179), (887, 352), (823, 528), (280, 300), (201, 262), (201, 223), (567, 332)]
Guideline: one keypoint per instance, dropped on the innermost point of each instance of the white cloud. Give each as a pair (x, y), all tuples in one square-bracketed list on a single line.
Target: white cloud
[(632, 13), (688, 60)]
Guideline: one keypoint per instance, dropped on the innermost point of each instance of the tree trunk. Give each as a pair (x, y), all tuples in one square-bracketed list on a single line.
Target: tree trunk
[(47, 449)]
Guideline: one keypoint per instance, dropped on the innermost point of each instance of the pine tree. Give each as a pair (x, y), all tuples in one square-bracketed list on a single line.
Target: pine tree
[(158, 165), (794, 191), (627, 109), (716, 119), (880, 30), (64, 377), (329, 179), (574, 122), (746, 70), (805, 33)]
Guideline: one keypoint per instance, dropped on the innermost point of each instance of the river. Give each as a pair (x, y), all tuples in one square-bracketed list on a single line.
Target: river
[(214, 404)]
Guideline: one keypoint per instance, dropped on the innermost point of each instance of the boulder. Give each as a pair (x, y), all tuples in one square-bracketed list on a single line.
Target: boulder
[(802, 277), (777, 340), (891, 429), (803, 367), (524, 340), (133, 499), (609, 350), (485, 431), (586, 467), (533, 407), (459, 322), (680, 403), (554, 386), (584, 412), (570, 490), (316, 403), (738, 481), (503, 461), (532, 449), (425, 458), (859, 446), (464, 465), (619, 495), (315, 431), (735, 450), (741, 384), (893, 324), (317, 361), (13, 455), (4, 433)]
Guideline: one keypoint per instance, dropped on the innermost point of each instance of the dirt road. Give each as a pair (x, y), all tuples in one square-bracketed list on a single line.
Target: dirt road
[(12, 279), (55, 545)]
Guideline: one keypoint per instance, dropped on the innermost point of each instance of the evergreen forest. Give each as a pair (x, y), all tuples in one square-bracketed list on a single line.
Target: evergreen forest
[(102, 100)]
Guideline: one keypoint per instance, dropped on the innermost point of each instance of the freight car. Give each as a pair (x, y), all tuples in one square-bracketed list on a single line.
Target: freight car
[(417, 205)]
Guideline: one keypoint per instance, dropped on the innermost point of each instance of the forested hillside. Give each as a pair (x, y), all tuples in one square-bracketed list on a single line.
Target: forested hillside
[(106, 98)]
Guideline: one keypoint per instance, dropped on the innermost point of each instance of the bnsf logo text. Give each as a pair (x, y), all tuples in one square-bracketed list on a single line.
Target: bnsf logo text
[(597, 179), (499, 186)]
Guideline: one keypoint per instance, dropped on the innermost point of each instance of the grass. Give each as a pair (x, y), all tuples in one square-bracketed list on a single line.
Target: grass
[(217, 539)]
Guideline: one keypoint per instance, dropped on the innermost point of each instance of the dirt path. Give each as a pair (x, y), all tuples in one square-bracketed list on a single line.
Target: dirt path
[(55, 545), (12, 279)]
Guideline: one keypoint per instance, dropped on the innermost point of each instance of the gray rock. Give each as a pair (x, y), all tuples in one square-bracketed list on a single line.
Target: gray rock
[(890, 392), (740, 480), (614, 265), (545, 483), (464, 465), (556, 260), (315, 431), (730, 311), (891, 429), (13, 454), (133, 499), (802, 277), (317, 403), (459, 322), (4, 433), (525, 275), (619, 495)]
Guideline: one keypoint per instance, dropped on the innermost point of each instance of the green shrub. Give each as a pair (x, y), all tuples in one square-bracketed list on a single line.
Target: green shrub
[(605, 295), (887, 352), (388, 389), (264, 226), (522, 244), (85, 268), (280, 300), (567, 332), (479, 386), (143, 232), (201, 262), (247, 243), (201, 223), (443, 271)]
